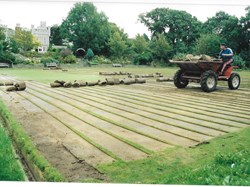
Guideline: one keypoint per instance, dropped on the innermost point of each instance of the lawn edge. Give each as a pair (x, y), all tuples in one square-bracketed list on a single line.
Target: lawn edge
[(41, 169)]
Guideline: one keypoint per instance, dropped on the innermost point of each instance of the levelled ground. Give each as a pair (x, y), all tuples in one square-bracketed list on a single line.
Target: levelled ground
[(79, 130)]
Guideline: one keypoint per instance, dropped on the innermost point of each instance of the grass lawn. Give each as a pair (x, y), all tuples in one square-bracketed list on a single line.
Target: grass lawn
[(10, 170), (89, 74), (224, 161)]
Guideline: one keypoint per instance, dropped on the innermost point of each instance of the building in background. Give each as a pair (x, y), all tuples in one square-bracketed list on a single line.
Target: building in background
[(42, 33)]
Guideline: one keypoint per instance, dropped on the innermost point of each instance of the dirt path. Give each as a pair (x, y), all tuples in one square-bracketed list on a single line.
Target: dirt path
[(77, 129)]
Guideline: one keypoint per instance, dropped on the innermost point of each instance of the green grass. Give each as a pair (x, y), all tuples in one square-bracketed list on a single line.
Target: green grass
[(26, 146), (10, 169), (89, 74), (224, 161)]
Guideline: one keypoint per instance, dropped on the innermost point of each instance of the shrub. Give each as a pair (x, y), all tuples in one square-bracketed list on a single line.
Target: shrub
[(55, 54), (45, 60), (70, 59), (144, 58), (90, 54), (7, 57), (65, 52), (102, 60), (121, 61), (20, 59), (179, 56), (208, 44), (238, 61)]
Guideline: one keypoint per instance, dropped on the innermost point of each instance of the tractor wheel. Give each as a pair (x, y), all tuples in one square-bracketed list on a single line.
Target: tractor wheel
[(234, 81), (208, 81), (178, 82)]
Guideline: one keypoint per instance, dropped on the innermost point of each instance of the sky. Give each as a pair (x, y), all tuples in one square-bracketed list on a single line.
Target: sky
[(122, 12)]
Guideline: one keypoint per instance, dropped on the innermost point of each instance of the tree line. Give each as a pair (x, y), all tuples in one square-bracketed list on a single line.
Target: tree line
[(173, 33)]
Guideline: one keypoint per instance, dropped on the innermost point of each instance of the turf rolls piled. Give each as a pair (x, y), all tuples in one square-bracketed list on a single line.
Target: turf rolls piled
[(20, 86)]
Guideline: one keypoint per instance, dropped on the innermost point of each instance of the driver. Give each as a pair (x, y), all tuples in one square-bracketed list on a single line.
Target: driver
[(226, 55)]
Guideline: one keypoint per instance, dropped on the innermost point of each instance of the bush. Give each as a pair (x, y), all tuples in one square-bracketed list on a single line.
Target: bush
[(121, 61), (245, 54), (102, 60), (238, 61), (45, 60), (31, 54), (55, 54), (208, 44), (144, 58), (20, 59), (70, 59), (7, 57), (90, 54), (179, 56), (65, 52)]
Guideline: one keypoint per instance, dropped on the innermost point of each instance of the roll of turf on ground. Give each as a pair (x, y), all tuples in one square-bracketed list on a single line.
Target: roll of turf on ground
[(55, 85), (60, 82), (102, 83), (116, 81), (67, 85), (128, 81), (82, 83), (140, 80), (11, 88), (1, 84), (92, 83), (8, 83), (162, 79), (136, 76), (76, 85), (20, 86), (110, 81)]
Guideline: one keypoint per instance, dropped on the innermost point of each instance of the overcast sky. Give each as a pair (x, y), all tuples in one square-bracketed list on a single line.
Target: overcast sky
[(122, 12)]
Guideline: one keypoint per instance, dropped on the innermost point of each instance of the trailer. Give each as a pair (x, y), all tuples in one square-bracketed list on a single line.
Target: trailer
[(206, 73)]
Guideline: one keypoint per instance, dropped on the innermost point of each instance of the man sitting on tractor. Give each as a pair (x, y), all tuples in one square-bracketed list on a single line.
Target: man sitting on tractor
[(226, 55)]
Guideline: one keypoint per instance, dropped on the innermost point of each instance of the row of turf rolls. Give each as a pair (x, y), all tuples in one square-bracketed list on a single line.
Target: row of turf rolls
[(14, 86), (107, 81)]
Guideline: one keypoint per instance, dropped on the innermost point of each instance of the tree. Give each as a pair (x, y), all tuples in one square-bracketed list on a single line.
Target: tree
[(55, 35), (117, 45), (208, 44), (143, 55), (160, 48), (140, 44), (245, 37), (86, 28), (2, 34), (90, 54), (178, 26), (227, 27), (25, 40)]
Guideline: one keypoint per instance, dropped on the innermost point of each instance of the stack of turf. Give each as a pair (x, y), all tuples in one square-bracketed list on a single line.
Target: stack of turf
[(61, 83), (112, 81), (19, 86), (107, 81), (93, 83), (114, 73), (193, 58), (164, 79), (145, 75), (128, 81)]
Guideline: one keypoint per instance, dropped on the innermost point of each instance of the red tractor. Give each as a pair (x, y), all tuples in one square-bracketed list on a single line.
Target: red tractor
[(205, 73)]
